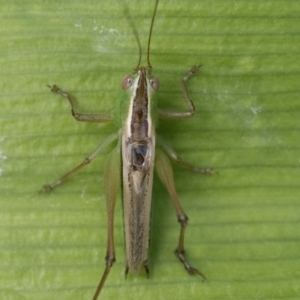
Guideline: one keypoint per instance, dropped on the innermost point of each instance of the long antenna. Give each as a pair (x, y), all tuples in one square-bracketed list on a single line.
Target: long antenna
[(134, 31), (150, 34)]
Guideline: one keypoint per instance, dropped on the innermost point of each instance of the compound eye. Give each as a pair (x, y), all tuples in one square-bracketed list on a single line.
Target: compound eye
[(154, 83), (126, 82)]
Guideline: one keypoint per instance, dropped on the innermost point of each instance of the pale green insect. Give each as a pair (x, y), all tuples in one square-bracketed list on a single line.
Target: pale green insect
[(137, 153)]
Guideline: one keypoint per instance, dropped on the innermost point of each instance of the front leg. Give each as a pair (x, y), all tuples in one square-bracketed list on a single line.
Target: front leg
[(98, 118), (169, 114)]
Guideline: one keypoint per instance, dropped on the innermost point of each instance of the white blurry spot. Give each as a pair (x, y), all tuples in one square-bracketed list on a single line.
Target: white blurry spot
[(78, 25), (256, 110), (113, 31), (1, 171), (2, 156), (95, 26), (108, 39)]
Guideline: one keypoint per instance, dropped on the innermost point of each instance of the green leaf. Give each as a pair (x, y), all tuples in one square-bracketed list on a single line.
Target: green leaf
[(244, 229)]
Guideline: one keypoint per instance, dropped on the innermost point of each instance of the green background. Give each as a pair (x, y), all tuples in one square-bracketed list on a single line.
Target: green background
[(244, 227)]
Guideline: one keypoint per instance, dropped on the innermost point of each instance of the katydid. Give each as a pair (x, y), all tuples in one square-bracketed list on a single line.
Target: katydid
[(138, 151)]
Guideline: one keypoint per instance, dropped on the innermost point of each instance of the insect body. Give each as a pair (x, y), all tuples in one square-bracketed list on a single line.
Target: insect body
[(137, 153)]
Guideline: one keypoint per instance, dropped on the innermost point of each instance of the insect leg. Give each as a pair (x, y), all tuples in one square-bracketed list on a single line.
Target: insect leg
[(169, 114), (112, 177), (99, 118), (174, 156), (165, 173), (87, 160)]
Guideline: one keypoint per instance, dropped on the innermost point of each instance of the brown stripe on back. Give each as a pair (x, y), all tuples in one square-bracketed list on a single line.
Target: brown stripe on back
[(139, 118)]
